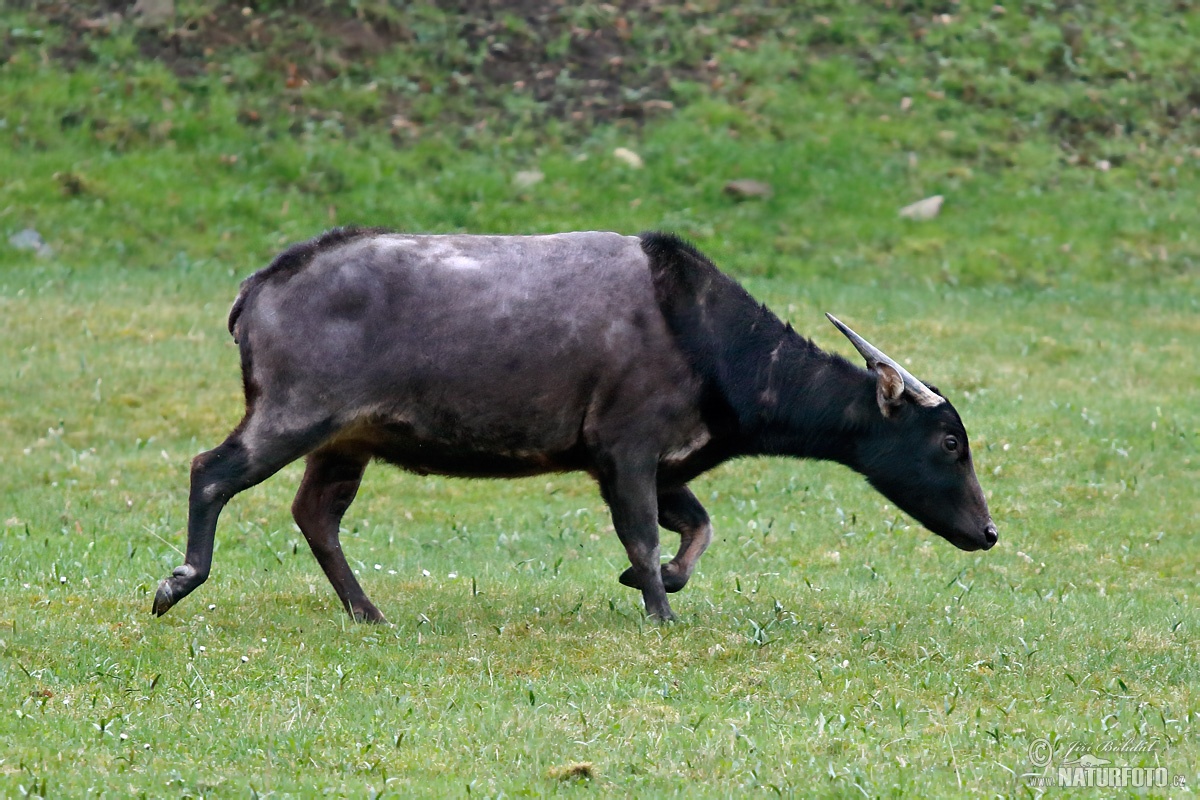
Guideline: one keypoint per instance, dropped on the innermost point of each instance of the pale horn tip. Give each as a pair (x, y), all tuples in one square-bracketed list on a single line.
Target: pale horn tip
[(837, 322)]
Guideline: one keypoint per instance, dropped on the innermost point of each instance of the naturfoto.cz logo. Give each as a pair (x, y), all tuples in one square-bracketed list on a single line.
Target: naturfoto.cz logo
[(1074, 764)]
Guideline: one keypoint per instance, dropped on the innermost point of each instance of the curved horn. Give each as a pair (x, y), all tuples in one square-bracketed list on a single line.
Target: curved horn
[(919, 391)]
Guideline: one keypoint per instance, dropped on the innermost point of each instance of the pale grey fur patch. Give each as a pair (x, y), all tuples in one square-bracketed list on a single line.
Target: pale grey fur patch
[(461, 262), (681, 453)]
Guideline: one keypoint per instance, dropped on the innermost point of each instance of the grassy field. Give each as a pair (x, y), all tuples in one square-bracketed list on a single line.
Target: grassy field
[(827, 645)]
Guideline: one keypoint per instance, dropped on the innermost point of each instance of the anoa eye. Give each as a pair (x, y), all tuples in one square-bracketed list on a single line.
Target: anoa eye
[(951, 444)]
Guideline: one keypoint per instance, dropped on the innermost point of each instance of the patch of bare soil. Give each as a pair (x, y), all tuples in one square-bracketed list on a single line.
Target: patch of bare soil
[(593, 63)]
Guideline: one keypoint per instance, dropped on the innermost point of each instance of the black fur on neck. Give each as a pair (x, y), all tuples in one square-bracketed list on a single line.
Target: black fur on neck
[(773, 389)]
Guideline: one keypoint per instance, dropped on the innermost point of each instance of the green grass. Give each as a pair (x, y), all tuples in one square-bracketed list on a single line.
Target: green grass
[(827, 645)]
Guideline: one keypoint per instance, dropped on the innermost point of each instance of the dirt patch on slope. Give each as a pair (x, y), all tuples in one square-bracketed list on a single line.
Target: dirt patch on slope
[(546, 58)]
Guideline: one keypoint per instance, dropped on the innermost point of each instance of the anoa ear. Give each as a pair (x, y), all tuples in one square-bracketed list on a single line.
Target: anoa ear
[(889, 388)]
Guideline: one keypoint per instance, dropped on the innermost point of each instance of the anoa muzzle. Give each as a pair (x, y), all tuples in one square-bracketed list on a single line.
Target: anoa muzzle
[(631, 358)]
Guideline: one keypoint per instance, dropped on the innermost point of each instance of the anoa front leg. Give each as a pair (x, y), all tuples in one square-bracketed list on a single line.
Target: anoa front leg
[(679, 511), (628, 487)]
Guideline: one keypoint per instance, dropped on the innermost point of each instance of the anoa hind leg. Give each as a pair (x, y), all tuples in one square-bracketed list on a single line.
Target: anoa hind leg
[(255, 451), (331, 480)]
